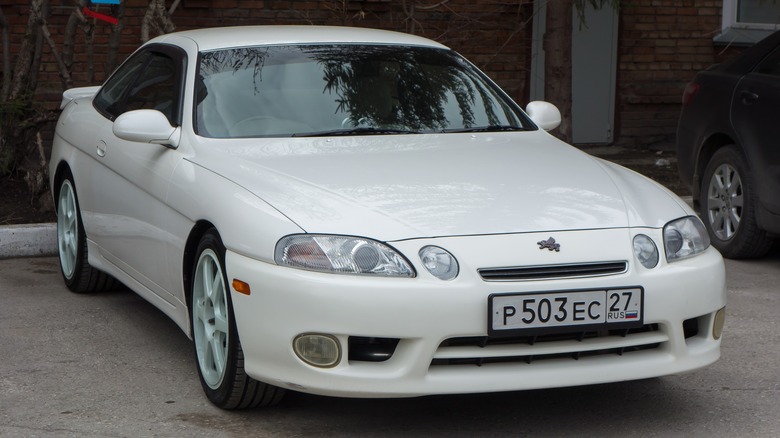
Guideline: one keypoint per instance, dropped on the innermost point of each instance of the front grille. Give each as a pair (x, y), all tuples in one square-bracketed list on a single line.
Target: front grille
[(521, 273), (573, 345)]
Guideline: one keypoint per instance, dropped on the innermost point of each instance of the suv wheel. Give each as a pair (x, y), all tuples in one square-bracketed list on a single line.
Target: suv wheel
[(727, 202)]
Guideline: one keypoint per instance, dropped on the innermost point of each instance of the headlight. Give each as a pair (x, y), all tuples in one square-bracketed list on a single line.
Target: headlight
[(684, 238), (341, 255), (646, 251)]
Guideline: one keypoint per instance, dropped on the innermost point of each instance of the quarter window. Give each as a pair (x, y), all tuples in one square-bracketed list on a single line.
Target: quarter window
[(770, 65)]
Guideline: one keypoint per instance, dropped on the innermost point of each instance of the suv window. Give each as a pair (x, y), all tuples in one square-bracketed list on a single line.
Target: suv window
[(149, 80)]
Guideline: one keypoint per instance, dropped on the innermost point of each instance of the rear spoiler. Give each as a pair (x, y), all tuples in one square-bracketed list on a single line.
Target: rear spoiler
[(77, 93)]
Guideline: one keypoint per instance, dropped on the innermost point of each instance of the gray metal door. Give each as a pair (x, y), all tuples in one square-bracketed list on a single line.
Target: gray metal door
[(594, 66)]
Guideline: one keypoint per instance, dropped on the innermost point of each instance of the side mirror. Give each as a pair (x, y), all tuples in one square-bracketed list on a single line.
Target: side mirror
[(544, 114), (147, 126)]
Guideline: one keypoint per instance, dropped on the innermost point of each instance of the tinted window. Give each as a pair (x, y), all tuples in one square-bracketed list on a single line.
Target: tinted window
[(113, 90), (155, 87), (147, 81), (322, 90)]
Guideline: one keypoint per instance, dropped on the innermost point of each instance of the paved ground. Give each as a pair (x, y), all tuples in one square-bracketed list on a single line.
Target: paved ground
[(111, 365)]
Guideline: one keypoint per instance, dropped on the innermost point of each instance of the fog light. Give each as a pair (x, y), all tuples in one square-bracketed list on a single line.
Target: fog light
[(440, 263), (646, 251), (717, 325), (317, 350)]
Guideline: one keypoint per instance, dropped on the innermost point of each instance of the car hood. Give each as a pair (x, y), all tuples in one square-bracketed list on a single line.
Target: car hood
[(411, 186)]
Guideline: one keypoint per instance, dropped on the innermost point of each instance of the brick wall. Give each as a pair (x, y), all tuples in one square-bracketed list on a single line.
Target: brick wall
[(663, 44)]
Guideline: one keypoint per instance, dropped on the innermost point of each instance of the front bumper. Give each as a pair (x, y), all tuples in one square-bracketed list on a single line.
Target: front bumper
[(424, 312)]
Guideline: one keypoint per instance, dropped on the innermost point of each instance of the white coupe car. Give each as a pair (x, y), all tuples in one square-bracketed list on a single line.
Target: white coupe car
[(363, 213)]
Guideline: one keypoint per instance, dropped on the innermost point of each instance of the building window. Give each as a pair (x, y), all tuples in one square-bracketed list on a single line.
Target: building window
[(746, 22), (755, 14)]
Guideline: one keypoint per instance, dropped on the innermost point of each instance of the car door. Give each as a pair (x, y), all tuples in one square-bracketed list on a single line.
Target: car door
[(754, 114), (130, 202)]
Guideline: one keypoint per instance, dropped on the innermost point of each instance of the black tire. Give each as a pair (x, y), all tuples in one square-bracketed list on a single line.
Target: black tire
[(226, 385), (79, 276), (727, 201)]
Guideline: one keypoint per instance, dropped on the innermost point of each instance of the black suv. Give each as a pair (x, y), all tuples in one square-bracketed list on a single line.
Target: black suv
[(728, 149)]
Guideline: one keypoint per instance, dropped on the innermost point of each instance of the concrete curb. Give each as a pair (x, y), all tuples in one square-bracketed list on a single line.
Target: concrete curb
[(36, 240), (32, 240)]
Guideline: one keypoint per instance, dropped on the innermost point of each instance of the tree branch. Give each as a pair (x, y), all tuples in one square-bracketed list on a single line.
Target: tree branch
[(55, 53), (173, 7)]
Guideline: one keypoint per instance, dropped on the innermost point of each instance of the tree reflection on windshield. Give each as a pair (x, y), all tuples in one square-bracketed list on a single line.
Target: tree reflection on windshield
[(332, 89)]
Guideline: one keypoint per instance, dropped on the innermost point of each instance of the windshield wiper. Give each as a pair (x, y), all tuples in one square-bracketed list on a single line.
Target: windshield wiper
[(355, 131), (490, 128)]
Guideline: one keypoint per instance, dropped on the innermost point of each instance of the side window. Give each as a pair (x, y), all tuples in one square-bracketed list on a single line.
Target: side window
[(108, 100), (770, 65), (148, 81), (155, 87)]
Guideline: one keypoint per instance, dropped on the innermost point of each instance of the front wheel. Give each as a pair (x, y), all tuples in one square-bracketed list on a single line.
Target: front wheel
[(218, 350), (728, 206)]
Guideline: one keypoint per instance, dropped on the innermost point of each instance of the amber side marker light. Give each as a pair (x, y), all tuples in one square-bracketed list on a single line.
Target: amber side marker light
[(241, 287)]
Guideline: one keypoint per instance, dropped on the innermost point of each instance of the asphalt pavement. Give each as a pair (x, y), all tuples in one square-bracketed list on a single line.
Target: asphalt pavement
[(112, 365)]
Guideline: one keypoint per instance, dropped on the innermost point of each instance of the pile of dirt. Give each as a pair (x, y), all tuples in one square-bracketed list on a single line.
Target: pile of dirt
[(17, 206)]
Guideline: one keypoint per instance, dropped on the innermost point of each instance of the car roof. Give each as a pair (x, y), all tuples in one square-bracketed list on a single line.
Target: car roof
[(243, 36), (752, 56)]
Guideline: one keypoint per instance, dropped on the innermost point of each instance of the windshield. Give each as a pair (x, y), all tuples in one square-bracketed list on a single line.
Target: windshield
[(326, 90)]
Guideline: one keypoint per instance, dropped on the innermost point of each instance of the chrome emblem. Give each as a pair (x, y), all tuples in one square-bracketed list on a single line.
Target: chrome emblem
[(549, 244)]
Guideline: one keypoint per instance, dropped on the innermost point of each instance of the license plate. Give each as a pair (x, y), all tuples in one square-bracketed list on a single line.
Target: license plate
[(546, 312)]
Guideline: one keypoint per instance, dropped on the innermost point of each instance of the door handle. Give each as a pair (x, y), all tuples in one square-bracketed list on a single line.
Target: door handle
[(101, 148), (748, 97)]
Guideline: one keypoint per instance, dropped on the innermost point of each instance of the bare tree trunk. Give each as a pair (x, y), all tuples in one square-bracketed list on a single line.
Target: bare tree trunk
[(6, 58), (76, 18), (557, 69), (35, 68), (115, 39), (146, 23), (156, 19), (6, 76), (24, 60)]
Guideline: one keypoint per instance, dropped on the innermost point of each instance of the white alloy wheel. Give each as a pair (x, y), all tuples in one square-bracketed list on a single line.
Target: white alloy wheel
[(217, 346), (67, 229), (210, 318)]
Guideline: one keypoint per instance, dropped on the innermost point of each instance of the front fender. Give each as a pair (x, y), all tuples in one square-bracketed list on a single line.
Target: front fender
[(247, 224), (648, 204)]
